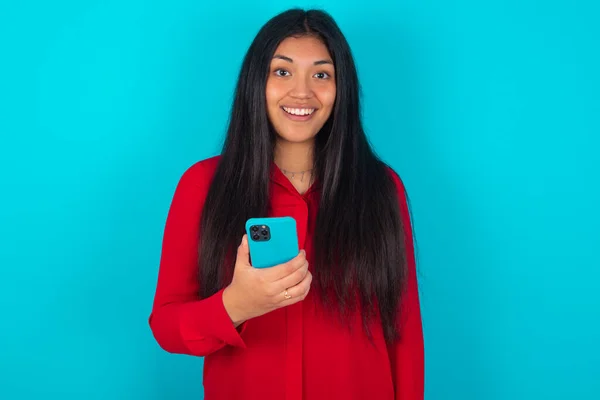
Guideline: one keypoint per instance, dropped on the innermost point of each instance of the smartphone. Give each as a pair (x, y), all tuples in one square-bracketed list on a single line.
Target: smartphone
[(271, 240)]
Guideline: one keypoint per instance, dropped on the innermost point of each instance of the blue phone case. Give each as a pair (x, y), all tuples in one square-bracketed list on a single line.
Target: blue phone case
[(278, 246)]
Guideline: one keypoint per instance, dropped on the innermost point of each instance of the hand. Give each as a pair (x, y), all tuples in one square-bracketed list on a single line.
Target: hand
[(257, 291)]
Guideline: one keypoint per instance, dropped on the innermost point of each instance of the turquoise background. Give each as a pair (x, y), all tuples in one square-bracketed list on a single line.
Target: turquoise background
[(488, 110)]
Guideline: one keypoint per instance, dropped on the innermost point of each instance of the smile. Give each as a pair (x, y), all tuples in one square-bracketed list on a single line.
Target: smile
[(298, 114), (298, 111)]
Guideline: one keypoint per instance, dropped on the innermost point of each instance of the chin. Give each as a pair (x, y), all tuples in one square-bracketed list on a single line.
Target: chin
[(293, 138)]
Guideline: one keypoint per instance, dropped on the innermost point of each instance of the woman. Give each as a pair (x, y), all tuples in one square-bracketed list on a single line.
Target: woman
[(342, 319)]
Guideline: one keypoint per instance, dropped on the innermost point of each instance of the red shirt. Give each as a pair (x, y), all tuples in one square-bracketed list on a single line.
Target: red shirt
[(292, 353)]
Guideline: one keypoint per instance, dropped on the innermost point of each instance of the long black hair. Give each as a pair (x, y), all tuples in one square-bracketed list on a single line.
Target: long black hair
[(359, 252)]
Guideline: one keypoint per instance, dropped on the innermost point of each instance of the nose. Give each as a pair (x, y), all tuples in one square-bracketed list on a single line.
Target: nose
[(301, 88)]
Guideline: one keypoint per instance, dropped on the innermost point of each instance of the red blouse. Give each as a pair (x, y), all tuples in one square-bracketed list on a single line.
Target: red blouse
[(292, 353)]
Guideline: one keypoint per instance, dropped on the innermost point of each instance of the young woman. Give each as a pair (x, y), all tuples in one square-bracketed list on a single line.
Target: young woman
[(342, 319)]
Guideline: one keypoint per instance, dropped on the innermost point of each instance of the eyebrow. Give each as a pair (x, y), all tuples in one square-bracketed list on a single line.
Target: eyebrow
[(319, 62)]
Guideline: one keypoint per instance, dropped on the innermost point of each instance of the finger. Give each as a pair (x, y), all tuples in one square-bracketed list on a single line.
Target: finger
[(243, 252), (280, 271), (298, 292), (292, 279)]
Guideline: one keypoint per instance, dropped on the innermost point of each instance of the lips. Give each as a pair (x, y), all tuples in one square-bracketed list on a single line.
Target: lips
[(299, 110), (298, 114)]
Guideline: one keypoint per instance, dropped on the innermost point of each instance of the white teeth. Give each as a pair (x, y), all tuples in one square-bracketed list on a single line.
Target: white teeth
[(299, 111)]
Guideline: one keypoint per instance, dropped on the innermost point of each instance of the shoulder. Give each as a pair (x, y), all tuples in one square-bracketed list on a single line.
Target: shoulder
[(400, 188), (403, 199), (201, 171), (196, 179)]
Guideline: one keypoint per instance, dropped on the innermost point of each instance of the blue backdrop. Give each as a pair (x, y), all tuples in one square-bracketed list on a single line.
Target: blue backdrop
[(488, 110)]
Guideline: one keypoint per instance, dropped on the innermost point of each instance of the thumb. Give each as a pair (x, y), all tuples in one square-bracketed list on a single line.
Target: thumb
[(243, 252)]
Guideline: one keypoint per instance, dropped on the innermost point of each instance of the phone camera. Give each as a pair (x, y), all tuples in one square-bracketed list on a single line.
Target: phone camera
[(260, 233)]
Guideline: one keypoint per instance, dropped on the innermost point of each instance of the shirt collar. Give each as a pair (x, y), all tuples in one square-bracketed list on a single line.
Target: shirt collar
[(278, 177)]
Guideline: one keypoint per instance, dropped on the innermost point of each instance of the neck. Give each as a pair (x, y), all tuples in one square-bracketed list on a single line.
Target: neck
[(294, 157)]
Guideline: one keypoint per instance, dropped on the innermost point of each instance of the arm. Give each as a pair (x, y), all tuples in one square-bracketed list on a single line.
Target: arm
[(180, 321), (407, 355)]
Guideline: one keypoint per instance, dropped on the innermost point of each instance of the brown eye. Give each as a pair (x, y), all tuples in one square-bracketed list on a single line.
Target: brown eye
[(281, 72), (322, 75)]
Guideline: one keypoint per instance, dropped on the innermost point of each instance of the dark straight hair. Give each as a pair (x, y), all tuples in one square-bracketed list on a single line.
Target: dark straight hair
[(359, 252)]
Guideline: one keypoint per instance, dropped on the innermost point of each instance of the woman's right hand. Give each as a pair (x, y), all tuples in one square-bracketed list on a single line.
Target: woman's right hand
[(257, 291)]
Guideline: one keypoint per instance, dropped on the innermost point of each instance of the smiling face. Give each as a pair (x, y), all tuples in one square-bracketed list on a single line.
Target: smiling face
[(300, 88)]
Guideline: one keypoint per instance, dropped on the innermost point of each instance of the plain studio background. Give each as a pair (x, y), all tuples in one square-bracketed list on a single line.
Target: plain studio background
[(488, 110)]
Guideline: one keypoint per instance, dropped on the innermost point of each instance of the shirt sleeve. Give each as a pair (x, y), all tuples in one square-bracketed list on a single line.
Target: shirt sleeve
[(407, 354), (180, 321)]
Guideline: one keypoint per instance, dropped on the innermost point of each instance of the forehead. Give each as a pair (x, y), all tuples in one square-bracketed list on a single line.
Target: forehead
[(305, 48)]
